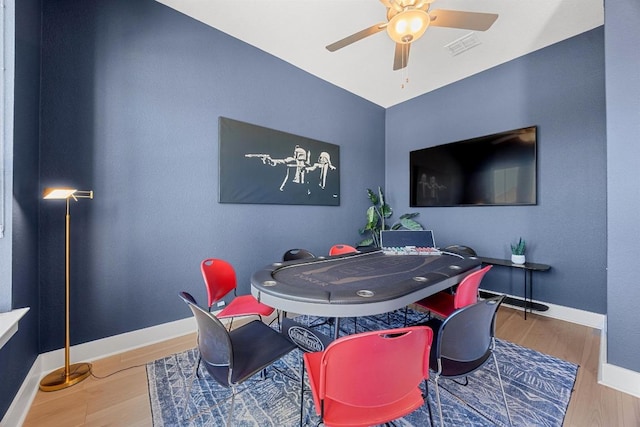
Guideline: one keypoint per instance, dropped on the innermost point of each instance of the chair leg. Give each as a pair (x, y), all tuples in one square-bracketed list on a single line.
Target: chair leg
[(198, 366), (193, 378), (464, 384), (301, 391), (230, 414), (439, 404), (504, 396), (426, 398)]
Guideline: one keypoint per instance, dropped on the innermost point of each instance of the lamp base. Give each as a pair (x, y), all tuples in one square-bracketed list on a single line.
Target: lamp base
[(57, 380)]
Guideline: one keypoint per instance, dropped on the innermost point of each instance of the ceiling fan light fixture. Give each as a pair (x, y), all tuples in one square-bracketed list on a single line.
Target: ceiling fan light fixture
[(408, 25)]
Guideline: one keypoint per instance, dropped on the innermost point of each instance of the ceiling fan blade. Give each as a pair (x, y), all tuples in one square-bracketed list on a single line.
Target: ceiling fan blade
[(466, 20), (401, 56), (356, 37)]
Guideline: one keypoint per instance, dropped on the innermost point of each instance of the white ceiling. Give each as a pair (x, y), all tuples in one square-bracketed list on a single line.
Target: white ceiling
[(297, 32)]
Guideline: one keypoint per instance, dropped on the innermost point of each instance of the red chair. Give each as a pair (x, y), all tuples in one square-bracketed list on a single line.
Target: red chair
[(370, 378), (220, 279), (443, 303), (341, 249)]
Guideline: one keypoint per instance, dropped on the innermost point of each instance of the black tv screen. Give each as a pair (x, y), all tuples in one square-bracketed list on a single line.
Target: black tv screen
[(498, 169)]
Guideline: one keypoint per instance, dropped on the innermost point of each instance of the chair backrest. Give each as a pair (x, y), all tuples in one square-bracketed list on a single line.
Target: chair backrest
[(461, 250), (293, 254), (341, 249), (467, 334), (385, 365), (214, 342), (219, 278), (467, 292)]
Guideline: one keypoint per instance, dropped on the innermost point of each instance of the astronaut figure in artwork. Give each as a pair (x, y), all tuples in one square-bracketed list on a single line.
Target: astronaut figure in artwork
[(324, 164)]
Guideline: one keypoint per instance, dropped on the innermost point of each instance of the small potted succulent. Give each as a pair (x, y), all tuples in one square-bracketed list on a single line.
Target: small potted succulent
[(517, 251)]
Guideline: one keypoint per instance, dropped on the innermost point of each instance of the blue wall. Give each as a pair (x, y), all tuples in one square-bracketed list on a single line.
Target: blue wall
[(17, 356), (561, 90), (623, 193), (131, 95)]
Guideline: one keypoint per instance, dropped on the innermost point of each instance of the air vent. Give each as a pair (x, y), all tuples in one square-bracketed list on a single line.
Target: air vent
[(463, 44)]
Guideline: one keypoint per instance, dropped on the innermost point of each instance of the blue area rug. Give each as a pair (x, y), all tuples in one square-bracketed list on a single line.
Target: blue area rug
[(538, 389)]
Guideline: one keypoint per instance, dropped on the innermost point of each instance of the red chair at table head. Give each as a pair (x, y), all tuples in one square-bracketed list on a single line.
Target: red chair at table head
[(220, 279)]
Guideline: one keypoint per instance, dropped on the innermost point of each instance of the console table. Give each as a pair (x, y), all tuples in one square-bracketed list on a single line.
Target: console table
[(528, 268)]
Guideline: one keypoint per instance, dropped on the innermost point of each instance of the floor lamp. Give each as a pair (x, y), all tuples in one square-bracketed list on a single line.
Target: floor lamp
[(68, 375)]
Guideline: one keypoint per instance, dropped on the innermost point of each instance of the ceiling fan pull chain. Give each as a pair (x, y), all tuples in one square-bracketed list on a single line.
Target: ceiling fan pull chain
[(405, 75)]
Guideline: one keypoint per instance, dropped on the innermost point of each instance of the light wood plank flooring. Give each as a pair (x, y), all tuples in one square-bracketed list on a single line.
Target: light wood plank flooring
[(122, 399)]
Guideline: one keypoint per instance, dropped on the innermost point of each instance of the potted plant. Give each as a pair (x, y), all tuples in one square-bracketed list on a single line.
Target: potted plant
[(517, 252), (378, 214)]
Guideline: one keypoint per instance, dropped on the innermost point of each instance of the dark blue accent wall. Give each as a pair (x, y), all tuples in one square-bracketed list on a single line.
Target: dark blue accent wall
[(561, 90), (131, 95), (17, 356)]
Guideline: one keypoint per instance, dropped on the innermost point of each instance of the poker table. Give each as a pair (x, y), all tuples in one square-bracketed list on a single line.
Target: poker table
[(359, 284)]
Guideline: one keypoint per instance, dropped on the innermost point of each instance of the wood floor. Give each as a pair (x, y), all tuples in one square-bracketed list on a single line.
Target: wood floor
[(122, 399)]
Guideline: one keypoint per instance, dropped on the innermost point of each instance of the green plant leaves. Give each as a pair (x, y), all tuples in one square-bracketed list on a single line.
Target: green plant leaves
[(377, 213), (518, 248)]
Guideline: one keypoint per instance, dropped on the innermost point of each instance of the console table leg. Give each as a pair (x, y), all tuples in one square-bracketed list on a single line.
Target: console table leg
[(525, 294)]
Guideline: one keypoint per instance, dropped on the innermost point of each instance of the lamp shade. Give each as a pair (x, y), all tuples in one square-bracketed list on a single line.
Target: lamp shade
[(58, 193), (408, 25)]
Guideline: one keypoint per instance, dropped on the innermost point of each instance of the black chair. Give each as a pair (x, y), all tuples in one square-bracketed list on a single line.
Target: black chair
[(232, 357), (293, 254), (460, 250), (463, 342)]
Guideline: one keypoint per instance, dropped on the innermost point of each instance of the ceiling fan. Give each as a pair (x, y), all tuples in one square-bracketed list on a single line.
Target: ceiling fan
[(407, 20)]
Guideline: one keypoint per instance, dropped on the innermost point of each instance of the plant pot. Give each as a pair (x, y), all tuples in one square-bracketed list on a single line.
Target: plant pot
[(518, 259)]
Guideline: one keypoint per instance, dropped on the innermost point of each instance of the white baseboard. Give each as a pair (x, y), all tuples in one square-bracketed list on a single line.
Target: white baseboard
[(21, 403), (568, 314), (105, 347), (621, 379), (88, 352)]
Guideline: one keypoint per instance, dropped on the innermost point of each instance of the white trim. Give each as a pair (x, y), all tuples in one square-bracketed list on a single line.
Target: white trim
[(19, 408), (568, 314), (9, 324), (89, 351), (621, 379), (116, 344)]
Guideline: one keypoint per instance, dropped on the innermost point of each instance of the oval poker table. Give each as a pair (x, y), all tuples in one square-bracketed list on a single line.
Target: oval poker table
[(359, 284)]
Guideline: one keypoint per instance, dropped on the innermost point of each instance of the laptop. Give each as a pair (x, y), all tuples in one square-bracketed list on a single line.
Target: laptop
[(407, 238)]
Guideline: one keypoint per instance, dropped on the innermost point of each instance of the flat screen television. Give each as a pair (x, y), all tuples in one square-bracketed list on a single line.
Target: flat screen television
[(492, 170)]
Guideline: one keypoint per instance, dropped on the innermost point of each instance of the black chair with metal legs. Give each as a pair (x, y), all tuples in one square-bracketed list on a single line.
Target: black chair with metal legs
[(232, 357), (463, 342)]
